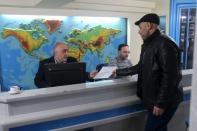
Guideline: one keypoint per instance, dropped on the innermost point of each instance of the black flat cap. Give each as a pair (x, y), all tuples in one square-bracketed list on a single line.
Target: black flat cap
[(152, 17)]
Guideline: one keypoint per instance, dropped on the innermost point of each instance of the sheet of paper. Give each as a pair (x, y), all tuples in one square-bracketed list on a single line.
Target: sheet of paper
[(105, 72)]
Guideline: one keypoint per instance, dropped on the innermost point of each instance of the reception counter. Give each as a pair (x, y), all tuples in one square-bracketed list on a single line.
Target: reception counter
[(72, 107)]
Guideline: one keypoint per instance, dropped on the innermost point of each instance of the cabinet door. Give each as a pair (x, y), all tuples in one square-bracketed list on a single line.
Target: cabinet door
[(191, 37), (186, 35), (182, 28)]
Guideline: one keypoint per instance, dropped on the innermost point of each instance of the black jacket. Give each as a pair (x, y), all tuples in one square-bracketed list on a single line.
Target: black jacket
[(39, 79), (159, 72)]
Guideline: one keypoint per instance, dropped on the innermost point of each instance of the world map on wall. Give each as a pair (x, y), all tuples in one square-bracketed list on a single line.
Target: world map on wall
[(25, 40)]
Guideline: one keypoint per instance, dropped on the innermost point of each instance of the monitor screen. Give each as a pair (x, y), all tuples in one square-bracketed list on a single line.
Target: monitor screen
[(65, 73)]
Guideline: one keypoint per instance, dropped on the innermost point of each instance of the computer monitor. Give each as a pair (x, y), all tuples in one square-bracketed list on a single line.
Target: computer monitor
[(65, 73)]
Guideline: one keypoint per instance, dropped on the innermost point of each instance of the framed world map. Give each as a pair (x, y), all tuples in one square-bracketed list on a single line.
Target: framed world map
[(25, 40)]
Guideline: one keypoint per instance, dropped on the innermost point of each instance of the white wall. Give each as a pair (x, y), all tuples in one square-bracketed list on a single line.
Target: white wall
[(135, 41), (162, 8), (193, 107)]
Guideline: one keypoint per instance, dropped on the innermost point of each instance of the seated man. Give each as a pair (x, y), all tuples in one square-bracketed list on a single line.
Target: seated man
[(60, 56), (121, 61)]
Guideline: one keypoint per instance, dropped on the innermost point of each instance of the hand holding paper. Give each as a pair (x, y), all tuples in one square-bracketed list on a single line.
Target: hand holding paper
[(105, 72)]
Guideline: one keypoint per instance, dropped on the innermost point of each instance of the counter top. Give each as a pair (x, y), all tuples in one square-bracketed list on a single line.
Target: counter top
[(68, 89)]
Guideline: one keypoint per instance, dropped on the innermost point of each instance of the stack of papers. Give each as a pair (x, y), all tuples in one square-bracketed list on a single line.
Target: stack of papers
[(105, 72)]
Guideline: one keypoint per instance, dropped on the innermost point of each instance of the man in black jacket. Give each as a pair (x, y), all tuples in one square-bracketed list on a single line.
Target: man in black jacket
[(60, 52), (60, 56), (159, 74)]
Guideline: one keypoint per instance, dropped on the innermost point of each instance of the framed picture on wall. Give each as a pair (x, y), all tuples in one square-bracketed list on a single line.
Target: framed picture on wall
[(162, 24), (25, 42)]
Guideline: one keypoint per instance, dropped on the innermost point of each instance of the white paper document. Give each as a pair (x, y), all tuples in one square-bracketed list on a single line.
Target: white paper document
[(105, 72)]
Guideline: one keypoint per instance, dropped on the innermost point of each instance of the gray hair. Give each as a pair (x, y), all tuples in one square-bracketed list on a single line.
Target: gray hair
[(58, 44)]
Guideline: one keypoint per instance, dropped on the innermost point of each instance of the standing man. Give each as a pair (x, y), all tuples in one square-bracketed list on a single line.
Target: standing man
[(121, 61), (60, 55), (159, 74)]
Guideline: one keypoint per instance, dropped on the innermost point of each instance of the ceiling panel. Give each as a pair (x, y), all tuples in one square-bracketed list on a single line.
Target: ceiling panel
[(59, 4), (19, 3)]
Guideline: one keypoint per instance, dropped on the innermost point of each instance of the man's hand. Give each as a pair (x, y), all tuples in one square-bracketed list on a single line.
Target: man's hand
[(113, 74), (157, 111), (93, 74)]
